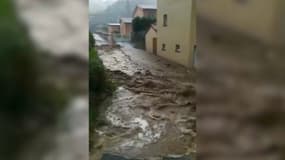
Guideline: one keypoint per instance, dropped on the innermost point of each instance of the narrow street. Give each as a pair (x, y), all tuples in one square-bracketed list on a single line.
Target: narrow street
[(152, 113)]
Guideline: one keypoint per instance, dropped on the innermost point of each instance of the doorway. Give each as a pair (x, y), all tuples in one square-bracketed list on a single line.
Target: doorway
[(154, 46)]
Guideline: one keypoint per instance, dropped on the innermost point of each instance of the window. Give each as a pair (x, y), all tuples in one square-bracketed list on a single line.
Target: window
[(163, 47), (177, 48), (164, 20)]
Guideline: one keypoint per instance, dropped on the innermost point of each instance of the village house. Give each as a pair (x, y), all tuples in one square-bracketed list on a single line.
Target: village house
[(126, 27), (176, 31), (145, 11), (113, 28), (151, 40), (260, 19)]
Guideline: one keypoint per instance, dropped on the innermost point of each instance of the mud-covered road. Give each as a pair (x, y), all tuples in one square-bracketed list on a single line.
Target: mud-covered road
[(152, 112)]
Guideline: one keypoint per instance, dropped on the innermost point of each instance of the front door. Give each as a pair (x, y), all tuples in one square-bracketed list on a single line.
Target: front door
[(154, 45)]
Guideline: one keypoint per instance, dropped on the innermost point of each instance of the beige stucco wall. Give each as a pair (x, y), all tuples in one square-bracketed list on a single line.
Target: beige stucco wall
[(257, 18), (180, 30), (149, 40)]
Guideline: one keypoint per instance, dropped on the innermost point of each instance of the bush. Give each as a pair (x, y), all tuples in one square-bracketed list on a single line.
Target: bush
[(99, 88), (97, 77), (91, 42), (142, 23), (140, 27)]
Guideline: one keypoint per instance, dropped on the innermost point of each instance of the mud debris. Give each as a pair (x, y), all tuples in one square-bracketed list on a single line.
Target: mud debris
[(148, 105)]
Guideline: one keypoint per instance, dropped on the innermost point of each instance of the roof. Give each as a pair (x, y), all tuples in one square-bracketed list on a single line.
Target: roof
[(126, 20), (154, 27), (113, 24), (149, 7)]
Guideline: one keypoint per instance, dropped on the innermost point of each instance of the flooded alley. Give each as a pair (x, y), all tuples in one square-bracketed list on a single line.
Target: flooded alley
[(151, 115)]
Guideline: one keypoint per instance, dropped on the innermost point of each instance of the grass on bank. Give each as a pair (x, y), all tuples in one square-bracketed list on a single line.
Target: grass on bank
[(100, 87)]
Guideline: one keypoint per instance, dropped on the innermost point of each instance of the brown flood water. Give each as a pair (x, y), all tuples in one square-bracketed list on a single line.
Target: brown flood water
[(152, 113)]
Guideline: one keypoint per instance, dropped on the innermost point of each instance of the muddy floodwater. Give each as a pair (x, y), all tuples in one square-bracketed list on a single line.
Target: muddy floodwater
[(152, 112)]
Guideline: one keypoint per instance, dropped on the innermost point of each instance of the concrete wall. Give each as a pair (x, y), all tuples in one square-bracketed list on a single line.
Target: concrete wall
[(257, 18), (149, 40), (180, 30)]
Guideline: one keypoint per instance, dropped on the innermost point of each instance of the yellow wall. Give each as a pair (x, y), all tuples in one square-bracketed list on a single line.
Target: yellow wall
[(149, 40), (180, 30), (257, 18)]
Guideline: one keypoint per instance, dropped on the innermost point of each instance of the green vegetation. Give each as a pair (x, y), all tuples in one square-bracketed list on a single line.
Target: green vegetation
[(140, 27), (142, 23), (100, 87)]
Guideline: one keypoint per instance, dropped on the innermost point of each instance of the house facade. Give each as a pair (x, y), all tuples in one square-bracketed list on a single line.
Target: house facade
[(145, 11), (176, 31), (113, 28), (126, 27), (260, 19), (151, 40)]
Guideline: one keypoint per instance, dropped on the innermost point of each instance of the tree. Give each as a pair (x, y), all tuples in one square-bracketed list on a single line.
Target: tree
[(142, 23), (140, 26)]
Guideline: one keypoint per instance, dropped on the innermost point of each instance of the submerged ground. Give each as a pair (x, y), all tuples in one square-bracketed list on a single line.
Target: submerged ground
[(152, 113)]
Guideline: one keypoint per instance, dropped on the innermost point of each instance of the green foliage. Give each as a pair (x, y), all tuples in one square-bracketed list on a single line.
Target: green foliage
[(91, 41), (99, 87), (142, 23), (140, 27), (97, 76)]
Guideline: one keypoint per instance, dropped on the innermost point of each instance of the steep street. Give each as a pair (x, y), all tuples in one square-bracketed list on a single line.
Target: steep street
[(152, 112)]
